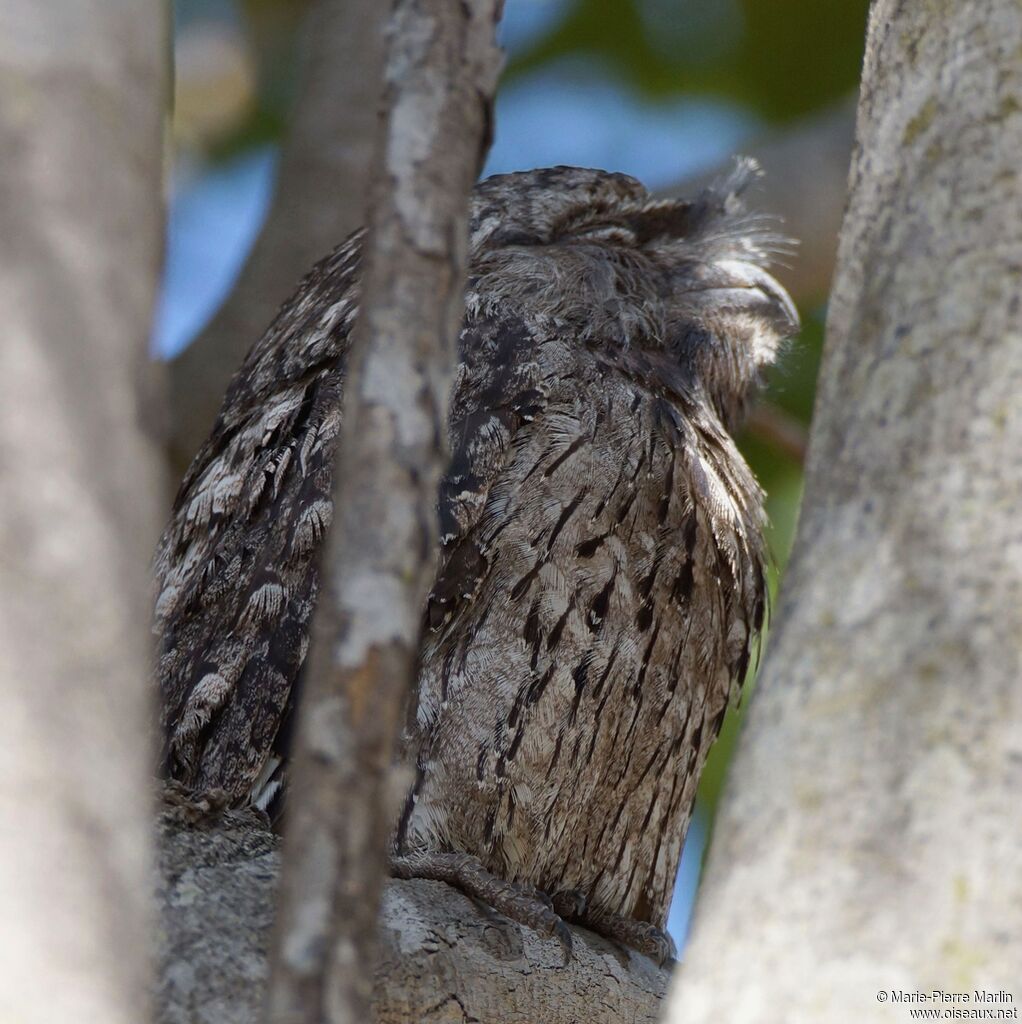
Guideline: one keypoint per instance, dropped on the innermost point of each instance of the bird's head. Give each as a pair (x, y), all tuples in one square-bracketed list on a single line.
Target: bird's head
[(595, 251)]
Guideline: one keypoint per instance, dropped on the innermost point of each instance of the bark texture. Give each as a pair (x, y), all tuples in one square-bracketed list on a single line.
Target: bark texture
[(444, 959), (870, 838), (442, 70), (82, 100), (319, 200)]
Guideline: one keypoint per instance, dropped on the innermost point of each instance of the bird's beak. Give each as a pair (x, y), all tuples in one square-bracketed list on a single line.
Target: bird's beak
[(762, 290)]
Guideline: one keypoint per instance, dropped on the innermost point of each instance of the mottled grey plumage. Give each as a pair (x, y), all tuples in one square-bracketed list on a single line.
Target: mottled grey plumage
[(602, 564)]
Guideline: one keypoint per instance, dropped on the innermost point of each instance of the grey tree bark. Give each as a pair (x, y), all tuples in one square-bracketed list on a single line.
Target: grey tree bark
[(442, 69), (319, 200), (82, 102), (869, 841)]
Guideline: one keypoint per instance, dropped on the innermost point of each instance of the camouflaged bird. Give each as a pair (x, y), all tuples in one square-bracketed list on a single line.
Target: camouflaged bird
[(602, 567)]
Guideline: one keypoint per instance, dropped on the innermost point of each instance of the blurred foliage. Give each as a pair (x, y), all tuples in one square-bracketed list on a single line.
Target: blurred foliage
[(215, 83), (274, 31), (781, 59)]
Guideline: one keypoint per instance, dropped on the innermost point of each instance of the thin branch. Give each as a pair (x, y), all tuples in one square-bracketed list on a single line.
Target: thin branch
[(442, 71), (773, 426)]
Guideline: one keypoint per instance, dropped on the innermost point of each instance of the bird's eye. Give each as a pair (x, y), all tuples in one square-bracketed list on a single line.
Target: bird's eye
[(513, 234)]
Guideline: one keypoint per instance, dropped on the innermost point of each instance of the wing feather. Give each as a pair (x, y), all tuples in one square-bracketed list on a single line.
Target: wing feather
[(236, 566), (498, 389)]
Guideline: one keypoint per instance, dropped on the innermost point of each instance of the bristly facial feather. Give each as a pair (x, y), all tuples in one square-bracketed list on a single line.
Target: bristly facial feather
[(597, 253)]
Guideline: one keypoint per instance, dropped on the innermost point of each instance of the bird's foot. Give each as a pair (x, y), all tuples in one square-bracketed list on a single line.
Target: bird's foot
[(186, 807), (521, 903), (641, 936), (569, 904)]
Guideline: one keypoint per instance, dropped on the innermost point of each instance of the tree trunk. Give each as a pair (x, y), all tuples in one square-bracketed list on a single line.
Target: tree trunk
[(441, 74), (319, 200), (82, 103), (870, 837)]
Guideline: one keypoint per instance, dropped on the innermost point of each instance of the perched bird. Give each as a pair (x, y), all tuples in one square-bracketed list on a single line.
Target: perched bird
[(602, 566)]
